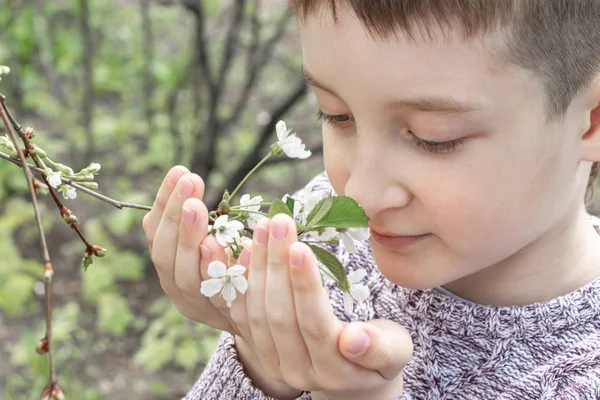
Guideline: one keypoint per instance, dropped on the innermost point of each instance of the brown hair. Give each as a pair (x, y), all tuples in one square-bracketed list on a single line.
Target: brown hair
[(558, 40)]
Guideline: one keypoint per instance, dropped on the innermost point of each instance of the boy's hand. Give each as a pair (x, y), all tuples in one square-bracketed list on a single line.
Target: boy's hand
[(175, 229), (295, 334)]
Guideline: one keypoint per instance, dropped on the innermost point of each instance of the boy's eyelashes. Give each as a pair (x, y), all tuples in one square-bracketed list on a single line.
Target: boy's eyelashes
[(342, 121)]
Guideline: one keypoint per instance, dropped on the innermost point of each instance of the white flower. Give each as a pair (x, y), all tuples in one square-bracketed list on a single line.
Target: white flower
[(328, 234), (54, 178), (67, 191), (226, 280), (358, 291), (3, 70), (252, 205), (291, 144), (227, 231), (310, 201), (352, 234)]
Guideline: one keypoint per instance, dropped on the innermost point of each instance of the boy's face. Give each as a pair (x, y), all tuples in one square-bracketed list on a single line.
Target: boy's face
[(512, 181)]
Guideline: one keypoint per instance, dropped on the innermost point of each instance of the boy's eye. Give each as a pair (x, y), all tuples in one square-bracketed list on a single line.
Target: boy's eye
[(436, 147), (336, 120)]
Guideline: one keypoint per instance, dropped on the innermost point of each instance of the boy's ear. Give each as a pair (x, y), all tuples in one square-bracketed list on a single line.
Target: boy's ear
[(591, 138)]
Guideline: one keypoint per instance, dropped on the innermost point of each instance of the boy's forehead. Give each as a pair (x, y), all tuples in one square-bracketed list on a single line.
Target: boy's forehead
[(445, 74)]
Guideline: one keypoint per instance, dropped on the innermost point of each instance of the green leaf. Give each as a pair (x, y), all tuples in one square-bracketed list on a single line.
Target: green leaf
[(279, 207), (344, 213), (332, 264), (290, 202), (319, 211)]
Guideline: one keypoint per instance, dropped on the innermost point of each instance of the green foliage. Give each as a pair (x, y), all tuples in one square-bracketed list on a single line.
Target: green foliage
[(343, 213), (192, 343), (44, 47), (279, 207)]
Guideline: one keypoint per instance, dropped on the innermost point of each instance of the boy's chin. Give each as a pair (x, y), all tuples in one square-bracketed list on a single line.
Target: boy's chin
[(411, 275)]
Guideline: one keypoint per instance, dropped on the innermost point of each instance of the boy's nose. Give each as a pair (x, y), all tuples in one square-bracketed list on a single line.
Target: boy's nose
[(375, 191)]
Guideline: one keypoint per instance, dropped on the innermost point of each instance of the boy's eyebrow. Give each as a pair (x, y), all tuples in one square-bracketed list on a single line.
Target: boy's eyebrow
[(443, 104), (313, 82)]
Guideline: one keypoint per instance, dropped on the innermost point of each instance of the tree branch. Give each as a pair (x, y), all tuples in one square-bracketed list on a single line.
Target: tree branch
[(46, 255), (118, 204)]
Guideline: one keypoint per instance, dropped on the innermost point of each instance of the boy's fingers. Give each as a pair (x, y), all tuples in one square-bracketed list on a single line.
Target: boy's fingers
[(152, 219), (255, 300), (387, 346), (192, 231), (316, 319), (166, 238), (294, 358)]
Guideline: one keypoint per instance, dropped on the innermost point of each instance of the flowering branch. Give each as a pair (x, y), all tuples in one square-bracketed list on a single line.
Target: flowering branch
[(119, 204)]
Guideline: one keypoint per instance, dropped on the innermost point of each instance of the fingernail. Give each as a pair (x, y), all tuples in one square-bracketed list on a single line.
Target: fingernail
[(189, 217), (278, 229), (206, 253), (360, 344), (176, 176), (261, 235), (185, 188), (244, 258), (297, 257)]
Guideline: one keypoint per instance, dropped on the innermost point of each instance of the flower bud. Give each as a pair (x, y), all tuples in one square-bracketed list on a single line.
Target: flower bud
[(29, 132), (47, 393), (93, 168), (65, 169), (38, 151), (98, 251), (223, 207), (48, 272), (57, 392), (84, 177), (43, 346), (89, 185)]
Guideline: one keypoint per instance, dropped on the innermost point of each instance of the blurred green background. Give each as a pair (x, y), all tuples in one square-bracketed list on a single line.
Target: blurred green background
[(138, 86)]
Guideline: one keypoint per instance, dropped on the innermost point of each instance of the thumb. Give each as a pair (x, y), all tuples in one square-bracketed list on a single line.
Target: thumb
[(379, 345)]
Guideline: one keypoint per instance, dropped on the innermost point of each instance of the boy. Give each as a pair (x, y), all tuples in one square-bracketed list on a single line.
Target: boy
[(468, 131)]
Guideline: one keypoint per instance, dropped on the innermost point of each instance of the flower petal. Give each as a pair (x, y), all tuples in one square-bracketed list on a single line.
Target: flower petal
[(223, 239), (211, 287), (245, 199), (234, 226), (348, 303), (236, 270), (240, 283), (281, 130), (359, 234), (217, 269), (357, 276), (348, 243), (360, 292), (221, 222), (229, 294)]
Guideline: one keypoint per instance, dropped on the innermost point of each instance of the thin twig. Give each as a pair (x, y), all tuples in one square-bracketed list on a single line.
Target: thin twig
[(46, 254), (118, 204)]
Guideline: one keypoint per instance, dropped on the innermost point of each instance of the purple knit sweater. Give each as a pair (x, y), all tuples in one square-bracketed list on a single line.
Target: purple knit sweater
[(462, 350)]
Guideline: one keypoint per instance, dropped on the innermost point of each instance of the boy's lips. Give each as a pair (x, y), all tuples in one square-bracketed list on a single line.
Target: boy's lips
[(395, 242)]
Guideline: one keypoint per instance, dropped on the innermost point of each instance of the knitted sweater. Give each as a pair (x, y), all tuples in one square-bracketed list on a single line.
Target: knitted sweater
[(462, 350)]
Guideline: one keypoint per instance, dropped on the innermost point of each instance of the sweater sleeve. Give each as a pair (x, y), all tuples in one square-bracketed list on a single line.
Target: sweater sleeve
[(224, 377)]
